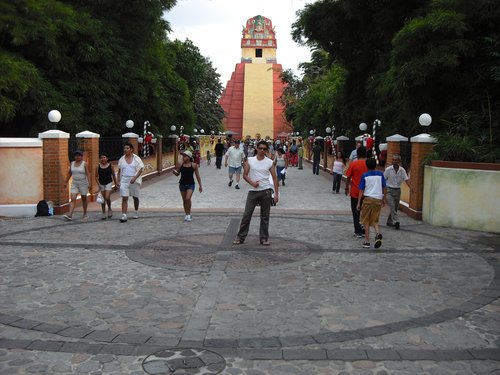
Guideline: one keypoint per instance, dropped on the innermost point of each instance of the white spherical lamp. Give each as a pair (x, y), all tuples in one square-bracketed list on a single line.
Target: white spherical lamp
[(202, 131), (425, 119), (54, 116), (363, 126), (328, 130), (173, 128), (129, 124)]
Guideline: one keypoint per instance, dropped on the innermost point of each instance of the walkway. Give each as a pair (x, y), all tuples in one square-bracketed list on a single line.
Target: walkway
[(157, 295)]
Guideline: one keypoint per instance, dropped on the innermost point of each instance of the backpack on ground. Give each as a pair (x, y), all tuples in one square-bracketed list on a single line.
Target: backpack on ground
[(42, 209)]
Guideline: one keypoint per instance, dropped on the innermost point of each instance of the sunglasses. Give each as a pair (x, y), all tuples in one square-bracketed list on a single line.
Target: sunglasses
[(262, 148)]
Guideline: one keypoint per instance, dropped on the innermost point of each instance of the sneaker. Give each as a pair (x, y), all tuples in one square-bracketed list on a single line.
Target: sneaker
[(366, 245), (188, 218), (236, 187), (123, 218), (283, 183), (230, 183), (396, 225), (378, 241), (358, 235), (85, 217), (136, 215), (67, 217), (103, 216), (110, 214)]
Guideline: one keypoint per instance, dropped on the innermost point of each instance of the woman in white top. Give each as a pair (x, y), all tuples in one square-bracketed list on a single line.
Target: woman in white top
[(338, 170), (281, 164), (80, 184)]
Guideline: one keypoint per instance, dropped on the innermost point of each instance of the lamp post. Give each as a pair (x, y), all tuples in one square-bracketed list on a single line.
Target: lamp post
[(54, 117)]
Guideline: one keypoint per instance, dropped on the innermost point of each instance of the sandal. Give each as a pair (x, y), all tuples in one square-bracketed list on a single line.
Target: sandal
[(238, 242)]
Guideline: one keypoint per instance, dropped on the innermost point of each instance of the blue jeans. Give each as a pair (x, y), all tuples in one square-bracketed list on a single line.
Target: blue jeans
[(316, 166), (337, 179), (281, 176)]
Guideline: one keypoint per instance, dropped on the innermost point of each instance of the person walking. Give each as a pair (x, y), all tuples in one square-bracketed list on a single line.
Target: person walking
[(395, 176), (372, 192), (234, 158), (354, 153), (187, 168), (294, 149), (281, 163), (301, 155), (219, 152), (130, 167), (316, 150), (354, 173), (256, 172), (105, 177), (338, 167), (79, 185)]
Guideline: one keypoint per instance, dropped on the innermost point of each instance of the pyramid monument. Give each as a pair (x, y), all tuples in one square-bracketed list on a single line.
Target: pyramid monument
[(250, 99)]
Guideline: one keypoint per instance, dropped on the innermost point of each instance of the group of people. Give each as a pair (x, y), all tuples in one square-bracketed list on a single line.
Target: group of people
[(369, 189), (128, 180)]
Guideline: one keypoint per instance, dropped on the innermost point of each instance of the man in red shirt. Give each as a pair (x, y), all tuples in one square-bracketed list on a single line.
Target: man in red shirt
[(354, 173)]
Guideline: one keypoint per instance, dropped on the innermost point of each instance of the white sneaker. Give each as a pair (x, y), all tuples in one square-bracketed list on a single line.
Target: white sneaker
[(188, 218), (136, 215), (103, 216), (123, 218)]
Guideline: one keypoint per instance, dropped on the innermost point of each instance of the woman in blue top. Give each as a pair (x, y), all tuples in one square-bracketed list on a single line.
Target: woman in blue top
[(187, 168)]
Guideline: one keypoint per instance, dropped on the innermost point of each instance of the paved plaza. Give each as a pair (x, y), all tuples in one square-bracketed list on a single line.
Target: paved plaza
[(158, 295)]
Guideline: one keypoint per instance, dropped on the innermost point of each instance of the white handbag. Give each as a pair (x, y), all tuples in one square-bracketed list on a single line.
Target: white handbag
[(99, 199)]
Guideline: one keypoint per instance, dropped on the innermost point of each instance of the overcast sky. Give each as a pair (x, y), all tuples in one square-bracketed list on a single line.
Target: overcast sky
[(215, 28)]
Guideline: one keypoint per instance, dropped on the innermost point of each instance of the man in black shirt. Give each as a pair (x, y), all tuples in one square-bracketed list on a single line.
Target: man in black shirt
[(316, 157), (219, 151)]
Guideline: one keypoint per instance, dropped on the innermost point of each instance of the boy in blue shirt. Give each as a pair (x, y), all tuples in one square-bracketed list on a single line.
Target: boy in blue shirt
[(372, 191)]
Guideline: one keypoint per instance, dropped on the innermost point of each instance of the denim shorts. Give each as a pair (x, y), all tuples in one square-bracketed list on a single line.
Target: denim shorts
[(233, 170), (186, 187)]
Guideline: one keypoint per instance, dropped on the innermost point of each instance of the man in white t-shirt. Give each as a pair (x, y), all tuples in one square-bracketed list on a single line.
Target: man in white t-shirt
[(234, 157), (256, 172), (130, 167)]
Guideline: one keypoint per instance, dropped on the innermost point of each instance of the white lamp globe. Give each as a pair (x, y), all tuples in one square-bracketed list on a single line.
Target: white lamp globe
[(311, 132), (363, 126), (425, 119), (195, 130), (54, 116), (202, 131), (129, 124), (173, 128), (328, 130)]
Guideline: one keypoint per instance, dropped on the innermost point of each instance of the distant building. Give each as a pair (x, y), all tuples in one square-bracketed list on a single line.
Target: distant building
[(250, 99)]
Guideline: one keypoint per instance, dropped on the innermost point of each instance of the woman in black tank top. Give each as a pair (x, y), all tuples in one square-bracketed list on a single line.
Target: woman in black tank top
[(105, 177), (186, 168)]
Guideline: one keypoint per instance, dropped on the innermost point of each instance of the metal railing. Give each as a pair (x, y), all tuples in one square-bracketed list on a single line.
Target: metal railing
[(112, 147)]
